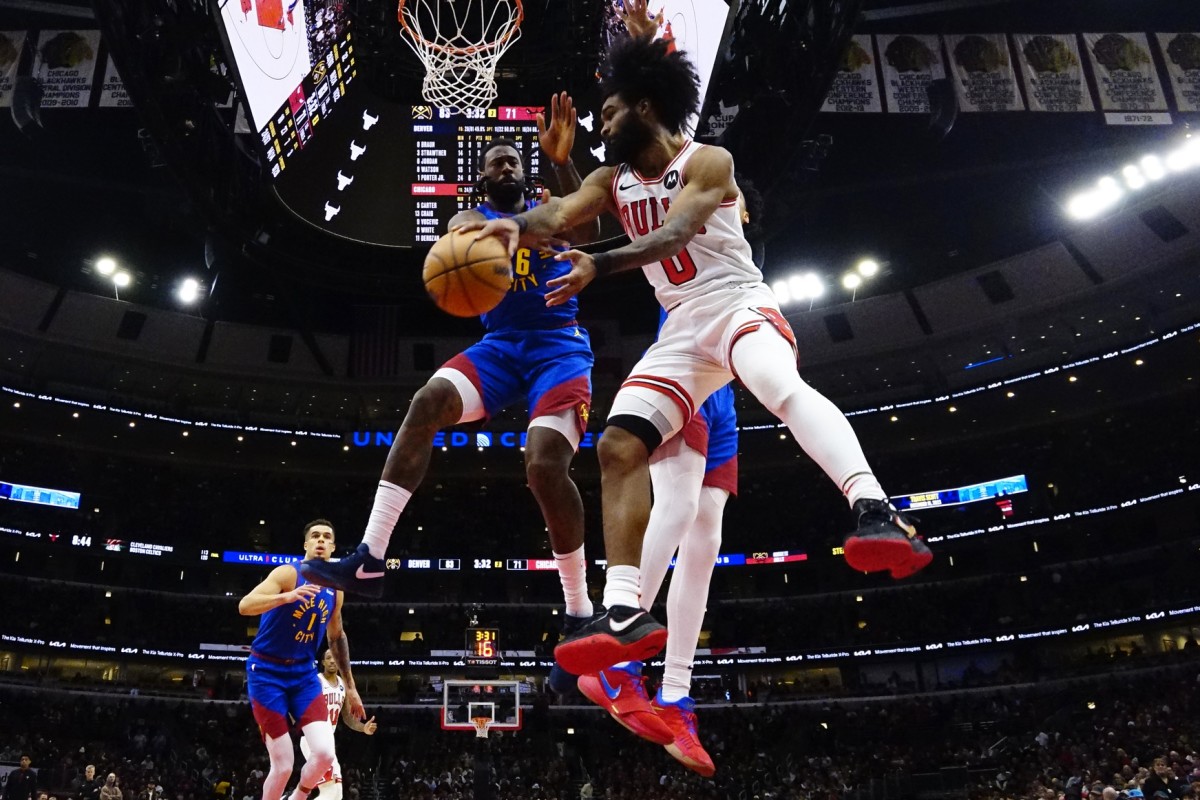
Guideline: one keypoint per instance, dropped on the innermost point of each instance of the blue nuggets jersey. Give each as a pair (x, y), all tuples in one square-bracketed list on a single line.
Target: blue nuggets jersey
[(524, 308), (294, 632)]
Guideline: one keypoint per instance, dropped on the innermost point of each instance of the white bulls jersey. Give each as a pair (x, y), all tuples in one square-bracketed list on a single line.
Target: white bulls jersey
[(335, 698), (718, 255)]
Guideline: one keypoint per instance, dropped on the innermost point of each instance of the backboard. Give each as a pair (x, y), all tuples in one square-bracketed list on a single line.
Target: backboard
[(464, 700)]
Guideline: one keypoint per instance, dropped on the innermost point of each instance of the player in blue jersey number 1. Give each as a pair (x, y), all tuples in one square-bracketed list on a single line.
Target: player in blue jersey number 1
[(281, 672), (531, 352)]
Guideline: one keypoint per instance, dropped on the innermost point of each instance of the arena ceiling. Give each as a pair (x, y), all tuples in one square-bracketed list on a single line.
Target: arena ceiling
[(886, 186)]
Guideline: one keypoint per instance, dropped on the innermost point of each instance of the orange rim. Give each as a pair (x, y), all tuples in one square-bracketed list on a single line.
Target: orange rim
[(461, 51)]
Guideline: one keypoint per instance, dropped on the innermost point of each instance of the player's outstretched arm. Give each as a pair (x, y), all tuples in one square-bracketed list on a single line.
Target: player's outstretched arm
[(277, 589), (536, 227), (556, 137), (708, 179), (339, 645), (369, 727)]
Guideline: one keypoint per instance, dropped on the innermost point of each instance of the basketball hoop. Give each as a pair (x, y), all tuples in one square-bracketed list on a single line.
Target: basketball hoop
[(481, 726), (460, 43)]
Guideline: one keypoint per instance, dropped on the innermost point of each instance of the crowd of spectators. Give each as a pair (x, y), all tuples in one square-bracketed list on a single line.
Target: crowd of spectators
[(1096, 739)]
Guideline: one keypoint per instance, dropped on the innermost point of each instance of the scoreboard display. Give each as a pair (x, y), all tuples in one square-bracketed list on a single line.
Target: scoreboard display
[(447, 149), (482, 647)]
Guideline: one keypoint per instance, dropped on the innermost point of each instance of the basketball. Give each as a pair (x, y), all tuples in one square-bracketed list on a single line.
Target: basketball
[(466, 276)]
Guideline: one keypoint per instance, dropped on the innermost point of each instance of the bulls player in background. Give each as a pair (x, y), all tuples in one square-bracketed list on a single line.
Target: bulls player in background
[(678, 202), (281, 672), (334, 689)]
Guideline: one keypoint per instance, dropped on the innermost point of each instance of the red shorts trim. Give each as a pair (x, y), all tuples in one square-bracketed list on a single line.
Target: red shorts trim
[(272, 723), (575, 394), (667, 387), (463, 364), (723, 477), (317, 711)]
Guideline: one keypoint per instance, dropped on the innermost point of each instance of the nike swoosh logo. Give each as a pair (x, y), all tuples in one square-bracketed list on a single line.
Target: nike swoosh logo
[(620, 626), (627, 188), (362, 574), (612, 693)]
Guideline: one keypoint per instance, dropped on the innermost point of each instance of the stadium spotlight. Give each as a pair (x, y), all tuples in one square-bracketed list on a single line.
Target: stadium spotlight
[(868, 267), (121, 279), (851, 281), (814, 287), (780, 288), (1152, 168), (1133, 177), (106, 265), (188, 291)]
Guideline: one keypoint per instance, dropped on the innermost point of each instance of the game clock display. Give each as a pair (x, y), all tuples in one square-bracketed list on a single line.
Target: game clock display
[(482, 647)]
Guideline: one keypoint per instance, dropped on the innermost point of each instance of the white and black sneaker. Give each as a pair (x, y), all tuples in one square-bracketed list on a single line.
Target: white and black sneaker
[(620, 634)]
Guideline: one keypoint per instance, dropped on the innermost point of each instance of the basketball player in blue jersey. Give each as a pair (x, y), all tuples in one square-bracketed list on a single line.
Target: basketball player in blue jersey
[(677, 200), (281, 672), (533, 352)]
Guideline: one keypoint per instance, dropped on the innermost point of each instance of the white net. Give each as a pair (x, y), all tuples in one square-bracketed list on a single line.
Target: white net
[(481, 726), (460, 43)]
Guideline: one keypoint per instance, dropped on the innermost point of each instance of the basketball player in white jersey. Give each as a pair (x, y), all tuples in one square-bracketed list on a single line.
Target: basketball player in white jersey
[(334, 689), (677, 200)]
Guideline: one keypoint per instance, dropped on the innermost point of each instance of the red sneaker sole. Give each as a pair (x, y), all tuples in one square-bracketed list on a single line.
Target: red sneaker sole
[(877, 555), (706, 769), (914, 565), (600, 651), (654, 730)]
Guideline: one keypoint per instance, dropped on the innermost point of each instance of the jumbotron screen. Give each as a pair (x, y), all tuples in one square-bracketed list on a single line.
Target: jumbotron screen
[(393, 174), (294, 60)]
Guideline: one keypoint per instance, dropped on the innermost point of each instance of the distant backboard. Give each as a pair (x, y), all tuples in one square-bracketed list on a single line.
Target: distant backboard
[(499, 700)]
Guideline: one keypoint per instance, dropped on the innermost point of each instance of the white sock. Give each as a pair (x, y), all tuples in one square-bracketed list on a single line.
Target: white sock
[(677, 679), (572, 571), (390, 500), (766, 365), (621, 587)]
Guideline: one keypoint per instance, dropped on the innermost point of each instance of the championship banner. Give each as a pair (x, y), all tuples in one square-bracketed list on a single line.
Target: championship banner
[(1053, 72), (1181, 51), (1124, 70), (11, 43), (66, 66), (910, 64), (855, 87), (112, 91), (983, 73)]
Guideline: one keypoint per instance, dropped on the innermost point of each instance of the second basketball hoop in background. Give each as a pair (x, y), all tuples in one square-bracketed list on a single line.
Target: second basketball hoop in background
[(460, 43)]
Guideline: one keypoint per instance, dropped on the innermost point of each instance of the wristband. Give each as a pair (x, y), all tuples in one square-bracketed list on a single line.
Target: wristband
[(522, 222), (604, 263)]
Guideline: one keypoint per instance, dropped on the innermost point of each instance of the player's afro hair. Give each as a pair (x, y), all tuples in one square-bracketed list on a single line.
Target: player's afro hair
[(640, 68)]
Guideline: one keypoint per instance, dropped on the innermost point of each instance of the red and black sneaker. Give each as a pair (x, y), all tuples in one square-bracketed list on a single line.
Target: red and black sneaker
[(886, 540), (620, 634)]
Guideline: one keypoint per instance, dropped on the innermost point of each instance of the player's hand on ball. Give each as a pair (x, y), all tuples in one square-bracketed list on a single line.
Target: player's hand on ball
[(558, 137), (369, 727), (503, 229), (354, 703), (583, 272)]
